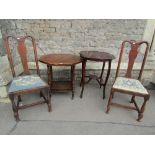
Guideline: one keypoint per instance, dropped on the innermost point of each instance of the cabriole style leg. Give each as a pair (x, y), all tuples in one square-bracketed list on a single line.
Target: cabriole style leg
[(140, 114)]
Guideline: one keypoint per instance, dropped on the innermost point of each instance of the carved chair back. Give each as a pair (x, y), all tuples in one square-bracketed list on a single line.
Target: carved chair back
[(22, 51), (135, 48)]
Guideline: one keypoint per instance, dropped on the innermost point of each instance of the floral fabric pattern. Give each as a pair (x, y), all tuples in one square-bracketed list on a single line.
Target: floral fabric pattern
[(132, 85), (26, 82)]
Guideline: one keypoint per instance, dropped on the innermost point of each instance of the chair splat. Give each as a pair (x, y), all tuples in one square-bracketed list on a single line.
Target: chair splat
[(132, 57), (23, 54)]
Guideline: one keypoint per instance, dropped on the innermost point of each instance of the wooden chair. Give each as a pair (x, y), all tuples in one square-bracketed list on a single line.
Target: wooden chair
[(127, 84), (27, 83)]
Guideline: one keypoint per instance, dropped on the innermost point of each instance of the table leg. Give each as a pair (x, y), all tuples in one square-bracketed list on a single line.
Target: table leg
[(107, 77), (102, 74), (72, 79), (83, 76), (50, 75)]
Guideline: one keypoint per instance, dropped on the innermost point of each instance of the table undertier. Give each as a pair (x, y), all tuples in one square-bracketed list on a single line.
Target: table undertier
[(61, 86)]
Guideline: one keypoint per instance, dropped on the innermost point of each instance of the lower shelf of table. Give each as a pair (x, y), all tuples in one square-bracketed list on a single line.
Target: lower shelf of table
[(61, 86)]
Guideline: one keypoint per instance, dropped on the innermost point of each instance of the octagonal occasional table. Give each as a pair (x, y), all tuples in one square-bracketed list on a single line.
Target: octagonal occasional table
[(61, 60), (98, 57)]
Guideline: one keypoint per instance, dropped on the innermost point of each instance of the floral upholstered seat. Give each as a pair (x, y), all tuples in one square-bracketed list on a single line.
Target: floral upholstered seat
[(26, 82), (131, 85)]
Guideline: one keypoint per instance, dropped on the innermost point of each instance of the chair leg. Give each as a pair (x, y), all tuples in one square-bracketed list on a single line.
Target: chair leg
[(19, 98), (113, 95), (132, 99), (140, 114), (41, 94), (14, 108), (109, 102)]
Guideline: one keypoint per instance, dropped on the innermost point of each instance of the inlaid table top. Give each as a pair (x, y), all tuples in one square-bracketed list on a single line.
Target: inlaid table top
[(60, 59), (96, 55)]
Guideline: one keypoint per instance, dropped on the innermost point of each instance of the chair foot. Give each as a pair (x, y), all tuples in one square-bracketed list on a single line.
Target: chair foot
[(16, 116), (81, 95), (108, 109), (14, 107), (107, 112), (140, 116)]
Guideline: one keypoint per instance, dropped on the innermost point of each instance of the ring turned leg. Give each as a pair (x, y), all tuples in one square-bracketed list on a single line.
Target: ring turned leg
[(14, 108)]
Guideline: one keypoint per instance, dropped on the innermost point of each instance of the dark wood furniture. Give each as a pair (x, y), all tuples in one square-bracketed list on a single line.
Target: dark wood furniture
[(61, 60), (127, 85), (98, 57), (26, 83)]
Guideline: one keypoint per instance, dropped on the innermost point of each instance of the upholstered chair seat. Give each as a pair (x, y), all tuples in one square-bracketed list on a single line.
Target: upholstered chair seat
[(26, 82), (130, 85)]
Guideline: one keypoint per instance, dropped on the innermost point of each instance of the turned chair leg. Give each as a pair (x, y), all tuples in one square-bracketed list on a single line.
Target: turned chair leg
[(140, 114), (109, 102), (14, 108), (72, 94)]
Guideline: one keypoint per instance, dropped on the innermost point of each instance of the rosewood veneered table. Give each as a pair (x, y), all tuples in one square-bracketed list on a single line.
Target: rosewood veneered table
[(61, 60), (98, 57)]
